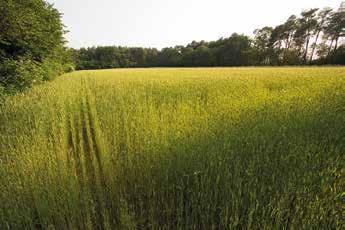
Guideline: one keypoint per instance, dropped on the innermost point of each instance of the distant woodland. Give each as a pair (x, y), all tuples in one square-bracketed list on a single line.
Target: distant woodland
[(313, 37), (33, 49)]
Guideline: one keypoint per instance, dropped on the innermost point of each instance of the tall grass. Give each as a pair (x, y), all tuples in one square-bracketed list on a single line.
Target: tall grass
[(221, 148)]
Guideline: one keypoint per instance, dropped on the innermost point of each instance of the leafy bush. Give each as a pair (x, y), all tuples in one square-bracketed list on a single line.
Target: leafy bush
[(31, 44), (338, 56), (51, 69), (17, 75)]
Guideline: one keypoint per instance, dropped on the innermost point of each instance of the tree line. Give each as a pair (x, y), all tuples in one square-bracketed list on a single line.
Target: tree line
[(313, 37), (33, 49)]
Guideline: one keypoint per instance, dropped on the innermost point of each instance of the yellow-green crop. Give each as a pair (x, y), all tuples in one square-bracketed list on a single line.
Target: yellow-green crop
[(208, 148)]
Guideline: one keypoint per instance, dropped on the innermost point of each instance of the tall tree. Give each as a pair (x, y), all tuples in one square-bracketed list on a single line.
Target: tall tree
[(322, 18), (308, 23), (276, 43), (336, 28), (262, 46), (288, 30)]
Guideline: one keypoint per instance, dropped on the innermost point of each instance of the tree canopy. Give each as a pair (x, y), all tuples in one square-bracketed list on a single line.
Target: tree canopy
[(32, 47)]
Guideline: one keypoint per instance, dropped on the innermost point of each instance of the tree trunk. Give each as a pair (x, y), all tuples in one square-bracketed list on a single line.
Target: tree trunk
[(314, 46), (289, 42), (336, 44), (306, 50), (330, 47), (279, 48), (300, 50), (286, 47)]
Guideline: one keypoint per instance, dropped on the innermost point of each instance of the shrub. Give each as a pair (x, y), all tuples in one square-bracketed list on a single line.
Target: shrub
[(17, 75)]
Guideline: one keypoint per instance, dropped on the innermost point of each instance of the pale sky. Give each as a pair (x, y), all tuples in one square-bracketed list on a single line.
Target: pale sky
[(164, 23)]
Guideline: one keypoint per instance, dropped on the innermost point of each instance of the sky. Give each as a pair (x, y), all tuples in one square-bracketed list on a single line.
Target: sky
[(165, 23)]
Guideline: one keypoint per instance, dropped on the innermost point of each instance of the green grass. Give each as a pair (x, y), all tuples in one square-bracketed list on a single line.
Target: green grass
[(208, 148)]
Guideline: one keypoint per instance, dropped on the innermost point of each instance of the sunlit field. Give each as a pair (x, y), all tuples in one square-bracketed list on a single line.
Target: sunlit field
[(207, 148)]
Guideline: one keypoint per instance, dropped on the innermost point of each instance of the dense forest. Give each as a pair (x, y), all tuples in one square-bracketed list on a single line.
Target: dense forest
[(33, 48), (313, 37)]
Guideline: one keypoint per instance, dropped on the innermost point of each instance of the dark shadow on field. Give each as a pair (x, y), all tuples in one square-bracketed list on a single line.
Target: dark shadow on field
[(273, 169)]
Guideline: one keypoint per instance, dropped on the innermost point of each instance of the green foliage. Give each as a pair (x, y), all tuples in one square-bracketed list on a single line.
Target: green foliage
[(31, 39), (218, 148), (336, 57), (17, 75), (31, 27), (291, 57), (108, 57), (232, 51)]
